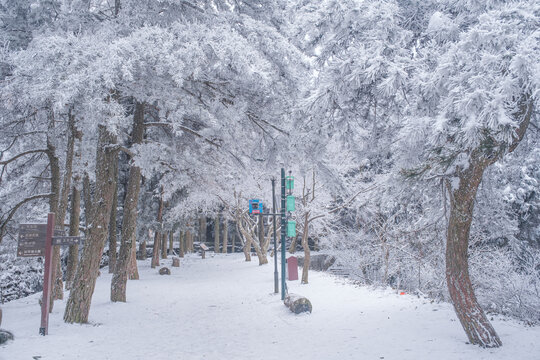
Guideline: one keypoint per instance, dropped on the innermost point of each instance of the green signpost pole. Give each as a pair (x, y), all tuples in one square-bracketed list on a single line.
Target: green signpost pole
[(276, 276), (283, 233)]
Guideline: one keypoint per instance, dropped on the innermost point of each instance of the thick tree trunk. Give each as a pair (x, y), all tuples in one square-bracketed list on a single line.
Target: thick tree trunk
[(216, 234), (127, 258), (470, 314), (171, 242), (225, 235), (202, 229), (233, 244), (133, 270), (164, 245), (305, 245), (74, 222), (155, 250), (112, 224), (80, 298), (142, 250), (181, 244)]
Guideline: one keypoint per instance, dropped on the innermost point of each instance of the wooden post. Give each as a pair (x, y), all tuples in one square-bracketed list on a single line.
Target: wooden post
[(45, 302)]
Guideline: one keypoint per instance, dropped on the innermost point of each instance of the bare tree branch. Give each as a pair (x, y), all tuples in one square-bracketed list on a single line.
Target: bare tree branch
[(13, 210), (5, 162)]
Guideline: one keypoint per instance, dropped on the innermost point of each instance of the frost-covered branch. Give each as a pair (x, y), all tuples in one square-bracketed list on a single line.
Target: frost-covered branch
[(13, 210), (5, 162)]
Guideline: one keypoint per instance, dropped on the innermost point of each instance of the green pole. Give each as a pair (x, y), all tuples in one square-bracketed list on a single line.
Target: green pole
[(283, 233), (276, 276)]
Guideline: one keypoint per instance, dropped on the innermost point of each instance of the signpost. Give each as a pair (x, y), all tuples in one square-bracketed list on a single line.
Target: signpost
[(287, 228), (38, 240)]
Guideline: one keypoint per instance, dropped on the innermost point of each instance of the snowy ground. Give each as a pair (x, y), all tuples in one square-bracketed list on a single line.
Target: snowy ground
[(224, 308)]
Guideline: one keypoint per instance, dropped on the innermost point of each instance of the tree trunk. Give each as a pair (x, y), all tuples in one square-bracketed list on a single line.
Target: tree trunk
[(127, 258), (142, 250), (225, 235), (190, 237), (164, 244), (155, 250), (171, 242), (181, 244), (470, 314), (202, 229), (216, 234), (157, 236), (74, 222), (305, 245), (112, 224), (80, 298), (133, 270), (233, 244), (58, 287), (292, 247)]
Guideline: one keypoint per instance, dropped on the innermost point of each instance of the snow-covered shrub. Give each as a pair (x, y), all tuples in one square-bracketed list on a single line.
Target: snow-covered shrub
[(19, 277)]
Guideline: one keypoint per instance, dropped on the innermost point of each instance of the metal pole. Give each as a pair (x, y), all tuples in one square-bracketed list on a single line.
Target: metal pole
[(46, 300), (283, 233), (276, 277)]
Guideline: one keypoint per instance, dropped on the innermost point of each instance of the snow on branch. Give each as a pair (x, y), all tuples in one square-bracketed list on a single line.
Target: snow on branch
[(5, 162), (13, 210)]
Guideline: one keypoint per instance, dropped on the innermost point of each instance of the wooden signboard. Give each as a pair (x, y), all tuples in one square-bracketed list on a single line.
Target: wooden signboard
[(38, 240), (66, 240), (31, 240)]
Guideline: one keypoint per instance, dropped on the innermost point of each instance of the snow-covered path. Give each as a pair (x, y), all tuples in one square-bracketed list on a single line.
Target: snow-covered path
[(224, 308)]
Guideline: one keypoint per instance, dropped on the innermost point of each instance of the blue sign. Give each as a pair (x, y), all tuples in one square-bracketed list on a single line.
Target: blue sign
[(255, 206)]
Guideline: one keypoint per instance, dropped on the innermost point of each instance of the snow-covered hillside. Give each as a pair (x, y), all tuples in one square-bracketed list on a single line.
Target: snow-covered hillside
[(224, 308)]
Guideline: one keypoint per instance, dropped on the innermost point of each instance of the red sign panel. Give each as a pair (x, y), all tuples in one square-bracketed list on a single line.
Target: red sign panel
[(292, 268)]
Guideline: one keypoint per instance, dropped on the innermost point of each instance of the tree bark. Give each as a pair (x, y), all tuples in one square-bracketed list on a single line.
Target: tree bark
[(216, 234), (80, 298), (171, 242), (233, 244), (305, 245), (202, 229), (74, 222), (112, 222), (142, 250), (58, 289), (127, 262), (155, 250), (157, 235), (164, 244), (470, 314), (473, 319), (181, 244), (225, 235)]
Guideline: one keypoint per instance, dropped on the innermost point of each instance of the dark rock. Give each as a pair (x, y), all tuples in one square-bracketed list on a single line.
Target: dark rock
[(5, 336), (318, 262), (164, 271)]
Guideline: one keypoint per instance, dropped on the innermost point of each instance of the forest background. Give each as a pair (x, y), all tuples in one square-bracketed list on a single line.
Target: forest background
[(411, 128)]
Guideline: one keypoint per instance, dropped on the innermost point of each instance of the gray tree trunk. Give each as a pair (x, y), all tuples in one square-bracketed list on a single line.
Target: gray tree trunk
[(80, 298), (216, 234), (127, 253), (74, 222), (112, 227)]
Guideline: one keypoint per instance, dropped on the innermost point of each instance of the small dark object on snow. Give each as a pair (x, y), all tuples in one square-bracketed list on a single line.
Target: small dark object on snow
[(175, 262), (5, 336), (297, 304), (164, 271)]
